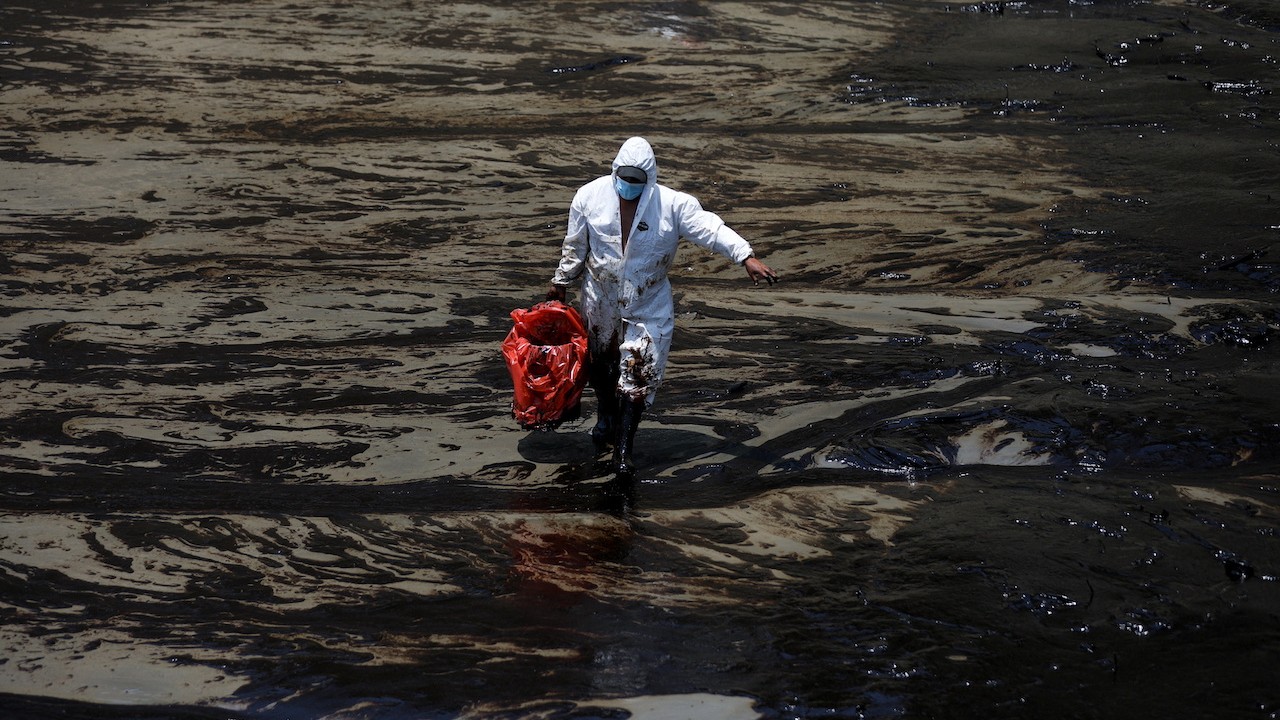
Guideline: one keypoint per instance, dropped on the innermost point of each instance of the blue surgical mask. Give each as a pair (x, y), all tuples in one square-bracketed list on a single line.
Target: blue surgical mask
[(626, 190)]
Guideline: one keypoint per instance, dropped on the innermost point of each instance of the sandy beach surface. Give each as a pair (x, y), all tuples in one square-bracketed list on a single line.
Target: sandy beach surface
[(1001, 443)]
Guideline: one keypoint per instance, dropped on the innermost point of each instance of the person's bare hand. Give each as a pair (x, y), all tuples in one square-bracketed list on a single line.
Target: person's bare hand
[(557, 293), (758, 271)]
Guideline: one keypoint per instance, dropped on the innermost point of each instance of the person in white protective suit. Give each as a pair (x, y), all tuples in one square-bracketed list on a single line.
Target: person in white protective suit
[(621, 241)]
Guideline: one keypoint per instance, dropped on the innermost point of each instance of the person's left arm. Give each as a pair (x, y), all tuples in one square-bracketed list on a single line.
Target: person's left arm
[(706, 229)]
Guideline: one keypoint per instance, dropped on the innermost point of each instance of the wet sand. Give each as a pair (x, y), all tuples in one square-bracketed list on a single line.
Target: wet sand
[(1001, 443)]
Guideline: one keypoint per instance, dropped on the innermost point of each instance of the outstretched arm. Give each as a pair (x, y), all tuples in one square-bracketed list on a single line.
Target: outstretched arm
[(707, 230)]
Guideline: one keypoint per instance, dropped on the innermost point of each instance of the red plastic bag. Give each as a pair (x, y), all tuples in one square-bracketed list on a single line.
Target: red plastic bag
[(546, 353)]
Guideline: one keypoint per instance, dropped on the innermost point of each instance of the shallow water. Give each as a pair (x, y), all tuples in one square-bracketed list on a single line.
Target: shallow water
[(1001, 444)]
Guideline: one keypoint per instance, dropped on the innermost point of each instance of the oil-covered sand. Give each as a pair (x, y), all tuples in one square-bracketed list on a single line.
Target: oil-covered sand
[(1001, 444)]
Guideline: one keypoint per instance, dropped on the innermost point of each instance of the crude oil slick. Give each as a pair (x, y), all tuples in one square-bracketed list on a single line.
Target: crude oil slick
[(1002, 443)]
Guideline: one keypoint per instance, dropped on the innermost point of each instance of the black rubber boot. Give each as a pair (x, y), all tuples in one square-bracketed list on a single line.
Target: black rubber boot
[(604, 381), (629, 412), (607, 408)]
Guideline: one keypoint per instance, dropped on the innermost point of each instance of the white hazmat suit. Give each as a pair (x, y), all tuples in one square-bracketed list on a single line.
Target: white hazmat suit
[(626, 296)]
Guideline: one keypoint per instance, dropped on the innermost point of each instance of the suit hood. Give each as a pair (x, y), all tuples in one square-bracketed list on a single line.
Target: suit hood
[(637, 152)]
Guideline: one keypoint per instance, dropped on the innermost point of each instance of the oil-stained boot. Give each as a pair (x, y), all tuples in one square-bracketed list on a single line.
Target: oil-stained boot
[(604, 381), (629, 412), (603, 434)]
